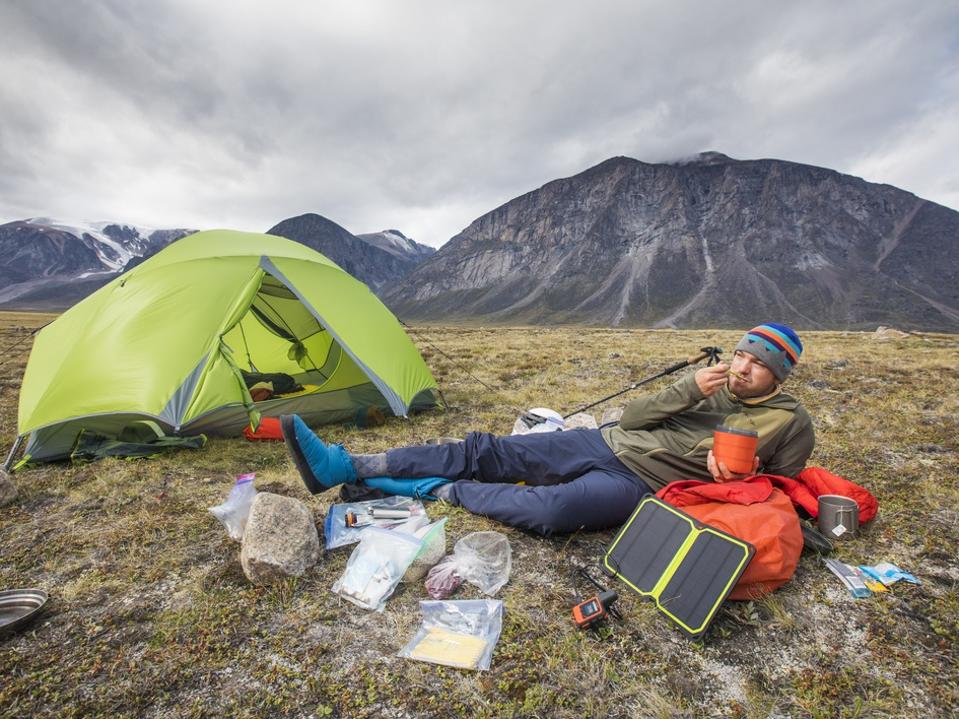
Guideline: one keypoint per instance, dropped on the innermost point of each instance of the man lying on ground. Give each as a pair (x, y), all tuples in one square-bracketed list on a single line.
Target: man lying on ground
[(593, 478)]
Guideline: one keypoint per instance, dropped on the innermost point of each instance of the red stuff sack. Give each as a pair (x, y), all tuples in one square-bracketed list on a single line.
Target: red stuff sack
[(754, 511), (268, 431)]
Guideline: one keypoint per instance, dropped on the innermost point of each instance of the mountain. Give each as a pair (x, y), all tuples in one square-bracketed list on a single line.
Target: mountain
[(376, 259), (705, 242), (398, 245), (50, 264)]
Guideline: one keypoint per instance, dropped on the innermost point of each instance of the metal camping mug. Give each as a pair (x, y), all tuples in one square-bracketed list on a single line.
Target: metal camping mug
[(838, 516)]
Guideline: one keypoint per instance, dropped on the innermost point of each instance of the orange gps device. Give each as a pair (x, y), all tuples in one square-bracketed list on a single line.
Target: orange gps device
[(594, 609)]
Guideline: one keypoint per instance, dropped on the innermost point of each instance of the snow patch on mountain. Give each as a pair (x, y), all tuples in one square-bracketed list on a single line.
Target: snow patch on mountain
[(115, 244), (113, 254), (397, 244)]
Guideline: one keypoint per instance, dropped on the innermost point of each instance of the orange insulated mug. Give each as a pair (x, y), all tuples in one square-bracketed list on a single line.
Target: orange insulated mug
[(735, 448)]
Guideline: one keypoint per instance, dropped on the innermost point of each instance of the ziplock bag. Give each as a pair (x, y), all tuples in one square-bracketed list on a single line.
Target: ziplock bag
[(336, 532), (234, 511), (483, 559), (432, 549), (459, 634), (376, 567)]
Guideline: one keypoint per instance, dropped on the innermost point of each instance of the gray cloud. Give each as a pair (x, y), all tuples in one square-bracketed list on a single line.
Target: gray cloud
[(423, 115)]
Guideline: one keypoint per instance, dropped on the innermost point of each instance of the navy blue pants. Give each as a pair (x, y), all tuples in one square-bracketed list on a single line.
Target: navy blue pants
[(572, 480)]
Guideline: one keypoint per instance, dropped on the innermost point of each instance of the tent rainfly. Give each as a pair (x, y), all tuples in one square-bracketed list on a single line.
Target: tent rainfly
[(169, 342)]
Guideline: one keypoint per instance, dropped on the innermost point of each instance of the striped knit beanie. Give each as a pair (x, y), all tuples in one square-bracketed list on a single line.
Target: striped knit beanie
[(777, 346)]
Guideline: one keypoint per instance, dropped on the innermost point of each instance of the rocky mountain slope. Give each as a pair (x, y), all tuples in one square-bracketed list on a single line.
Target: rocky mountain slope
[(376, 259), (50, 264), (707, 242)]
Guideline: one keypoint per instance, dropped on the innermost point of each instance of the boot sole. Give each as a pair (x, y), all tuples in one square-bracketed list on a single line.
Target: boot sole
[(288, 430)]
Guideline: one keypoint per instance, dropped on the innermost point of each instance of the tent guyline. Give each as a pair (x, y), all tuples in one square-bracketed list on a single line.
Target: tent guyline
[(6, 352), (455, 363)]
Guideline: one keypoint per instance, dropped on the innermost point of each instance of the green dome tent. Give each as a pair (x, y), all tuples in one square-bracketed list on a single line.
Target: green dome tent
[(169, 340)]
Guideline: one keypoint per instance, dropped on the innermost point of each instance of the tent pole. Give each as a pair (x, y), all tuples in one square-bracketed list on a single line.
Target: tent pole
[(13, 453)]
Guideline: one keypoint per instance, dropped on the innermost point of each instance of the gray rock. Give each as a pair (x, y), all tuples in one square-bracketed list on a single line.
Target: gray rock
[(8, 490), (280, 539)]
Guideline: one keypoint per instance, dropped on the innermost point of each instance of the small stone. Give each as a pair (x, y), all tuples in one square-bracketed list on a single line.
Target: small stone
[(611, 415), (817, 384), (838, 364), (884, 333), (614, 355), (280, 539), (8, 490)]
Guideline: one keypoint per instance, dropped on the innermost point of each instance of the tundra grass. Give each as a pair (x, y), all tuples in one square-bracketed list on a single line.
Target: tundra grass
[(151, 616)]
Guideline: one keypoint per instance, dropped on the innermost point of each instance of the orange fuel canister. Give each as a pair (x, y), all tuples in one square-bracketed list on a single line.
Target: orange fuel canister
[(735, 448)]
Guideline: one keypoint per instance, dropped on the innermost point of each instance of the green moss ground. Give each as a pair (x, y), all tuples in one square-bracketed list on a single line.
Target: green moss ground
[(151, 615)]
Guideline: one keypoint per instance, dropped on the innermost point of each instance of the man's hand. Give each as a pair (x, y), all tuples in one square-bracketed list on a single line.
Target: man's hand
[(722, 474), (711, 379)]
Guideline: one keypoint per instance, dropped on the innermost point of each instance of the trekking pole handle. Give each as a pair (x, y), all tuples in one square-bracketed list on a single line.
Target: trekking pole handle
[(710, 353)]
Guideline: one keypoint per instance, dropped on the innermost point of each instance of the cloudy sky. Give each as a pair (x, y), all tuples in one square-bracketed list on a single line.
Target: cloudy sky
[(424, 114)]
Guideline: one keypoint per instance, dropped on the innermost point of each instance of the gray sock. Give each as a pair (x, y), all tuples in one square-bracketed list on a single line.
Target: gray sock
[(369, 465), (443, 491)]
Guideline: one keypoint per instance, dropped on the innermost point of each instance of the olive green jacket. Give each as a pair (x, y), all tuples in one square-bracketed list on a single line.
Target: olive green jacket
[(666, 436)]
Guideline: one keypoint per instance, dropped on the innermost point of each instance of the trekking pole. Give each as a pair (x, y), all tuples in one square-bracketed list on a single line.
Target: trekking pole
[(712, 353)]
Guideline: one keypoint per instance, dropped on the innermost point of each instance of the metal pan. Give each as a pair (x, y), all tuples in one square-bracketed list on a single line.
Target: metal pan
[(19, 607)]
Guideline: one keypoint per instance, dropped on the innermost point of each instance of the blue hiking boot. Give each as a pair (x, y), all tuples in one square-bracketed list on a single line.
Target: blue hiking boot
[(321, 466), (415, 487)]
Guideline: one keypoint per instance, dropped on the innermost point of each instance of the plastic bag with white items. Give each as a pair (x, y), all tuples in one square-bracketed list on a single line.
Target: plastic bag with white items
[(338, 534), (483, 559), (376, 566), (459, 634), (234, 511)]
